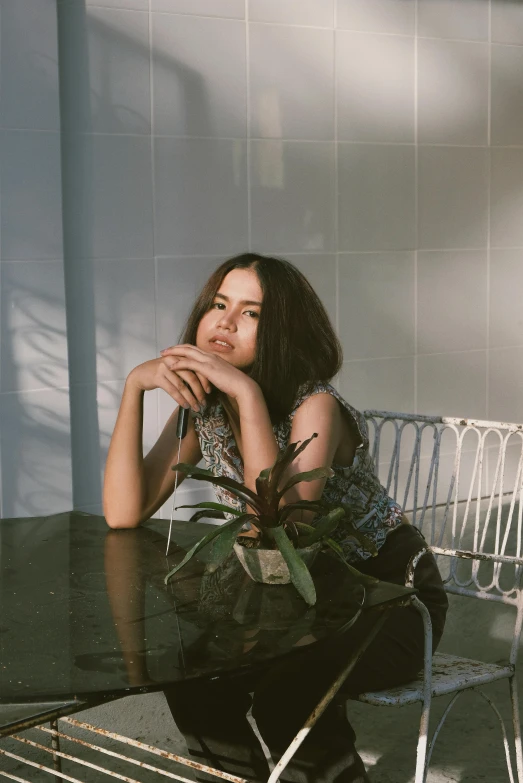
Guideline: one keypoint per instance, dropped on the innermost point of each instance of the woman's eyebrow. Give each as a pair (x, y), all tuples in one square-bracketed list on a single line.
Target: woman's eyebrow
[(243, 302)]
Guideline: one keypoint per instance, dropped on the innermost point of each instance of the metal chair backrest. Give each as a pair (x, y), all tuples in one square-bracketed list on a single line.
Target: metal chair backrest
[(460, 481)]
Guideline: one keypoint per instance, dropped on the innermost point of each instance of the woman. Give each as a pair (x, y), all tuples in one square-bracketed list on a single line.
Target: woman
[(254, 364)]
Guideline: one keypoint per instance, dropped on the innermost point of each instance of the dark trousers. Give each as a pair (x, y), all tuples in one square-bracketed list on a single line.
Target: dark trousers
[(211, 715)]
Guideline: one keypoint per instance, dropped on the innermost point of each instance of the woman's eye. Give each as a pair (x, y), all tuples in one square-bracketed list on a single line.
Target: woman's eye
[(221, 305)]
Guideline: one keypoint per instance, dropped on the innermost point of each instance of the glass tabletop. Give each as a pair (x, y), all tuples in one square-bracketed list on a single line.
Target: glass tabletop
[(84, 610), (19, 717)]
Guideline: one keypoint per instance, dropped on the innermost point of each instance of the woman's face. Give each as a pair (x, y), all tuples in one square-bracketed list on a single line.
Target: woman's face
[(233, 319)]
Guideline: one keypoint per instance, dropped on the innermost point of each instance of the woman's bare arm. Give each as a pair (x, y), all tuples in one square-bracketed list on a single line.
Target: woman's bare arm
[(320, 413), (136, 486)]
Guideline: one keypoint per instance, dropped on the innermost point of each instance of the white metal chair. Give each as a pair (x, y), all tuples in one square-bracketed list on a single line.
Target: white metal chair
[(460, 481)]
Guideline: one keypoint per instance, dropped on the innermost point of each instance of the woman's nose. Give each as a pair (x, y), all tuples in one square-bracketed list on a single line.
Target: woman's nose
[(227, 320)]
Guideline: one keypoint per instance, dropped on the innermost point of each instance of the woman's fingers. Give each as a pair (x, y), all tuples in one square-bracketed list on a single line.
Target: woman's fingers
[(205, 382), (198, 382), (171, 356), (176, 389), (194, 383), (185, 388)]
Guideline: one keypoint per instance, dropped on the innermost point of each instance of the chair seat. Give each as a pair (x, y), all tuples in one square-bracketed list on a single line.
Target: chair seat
[(449, 673)]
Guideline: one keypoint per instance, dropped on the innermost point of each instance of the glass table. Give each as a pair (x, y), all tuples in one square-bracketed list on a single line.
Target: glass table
[(85, 617)]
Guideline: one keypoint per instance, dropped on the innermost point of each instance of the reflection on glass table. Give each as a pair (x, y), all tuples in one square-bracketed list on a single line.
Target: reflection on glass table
[(85, 615)]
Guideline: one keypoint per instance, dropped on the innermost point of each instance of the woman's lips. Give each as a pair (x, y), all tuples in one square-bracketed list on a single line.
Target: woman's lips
[(220, 347)]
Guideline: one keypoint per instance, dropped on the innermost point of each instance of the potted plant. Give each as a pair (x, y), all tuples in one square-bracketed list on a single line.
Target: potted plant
[(283, 547)]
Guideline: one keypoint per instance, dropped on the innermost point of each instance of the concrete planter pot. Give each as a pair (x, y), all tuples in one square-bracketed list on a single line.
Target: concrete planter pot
[(268, 566)]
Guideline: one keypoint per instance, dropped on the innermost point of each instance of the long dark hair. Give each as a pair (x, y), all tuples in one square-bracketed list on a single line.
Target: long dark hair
[(295, 344)]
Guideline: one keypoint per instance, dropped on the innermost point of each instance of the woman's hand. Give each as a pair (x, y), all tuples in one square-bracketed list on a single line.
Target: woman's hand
[(187, 388), (227, 378)]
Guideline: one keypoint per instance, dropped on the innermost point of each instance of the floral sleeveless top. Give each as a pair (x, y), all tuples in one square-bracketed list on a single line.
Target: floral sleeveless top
[(373, 512)]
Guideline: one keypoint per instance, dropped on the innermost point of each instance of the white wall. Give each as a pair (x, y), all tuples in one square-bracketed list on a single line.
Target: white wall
[(377, 145)]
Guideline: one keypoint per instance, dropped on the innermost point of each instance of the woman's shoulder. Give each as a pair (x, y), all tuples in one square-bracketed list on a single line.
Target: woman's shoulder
[(310, 389)]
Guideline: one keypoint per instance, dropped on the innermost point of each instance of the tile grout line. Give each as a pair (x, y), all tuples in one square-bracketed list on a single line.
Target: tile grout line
[(49, 131), (41, 389), (311, 253), (248, 123), (153, 199), (489, 180), (306, 27), (288, 140), (428, 355), (336, 171), (416, 207), (1, 270)]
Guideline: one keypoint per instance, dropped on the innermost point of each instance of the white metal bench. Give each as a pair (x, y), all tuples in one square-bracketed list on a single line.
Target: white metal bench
[(460, 481)]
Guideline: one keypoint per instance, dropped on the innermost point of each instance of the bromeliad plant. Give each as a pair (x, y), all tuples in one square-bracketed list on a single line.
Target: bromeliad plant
[(275, 529)]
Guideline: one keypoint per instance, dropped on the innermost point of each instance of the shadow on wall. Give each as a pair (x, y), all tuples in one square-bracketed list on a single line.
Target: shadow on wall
[(35, 439), (96, 328), (33, 358)]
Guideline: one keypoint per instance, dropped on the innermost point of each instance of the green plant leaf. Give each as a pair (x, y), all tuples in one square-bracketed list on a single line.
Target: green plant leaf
[(307, 528), (223, 544), (364, 541), (300, 576), (304, 445), (308, 475), (214, 506), (325, 526), (204, 514), (241, 491), (269, 479), (306, 531), (305, 505), (284, 459), (219, 529), (263, 487)]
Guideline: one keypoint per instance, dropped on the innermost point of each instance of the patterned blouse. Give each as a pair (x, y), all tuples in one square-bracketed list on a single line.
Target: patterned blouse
[(373, 512)]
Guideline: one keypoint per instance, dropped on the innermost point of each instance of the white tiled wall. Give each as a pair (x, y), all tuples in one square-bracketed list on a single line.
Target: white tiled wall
[(35, 442), (377, 144)]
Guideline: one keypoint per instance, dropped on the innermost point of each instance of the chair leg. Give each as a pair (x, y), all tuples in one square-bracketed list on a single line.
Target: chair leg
[(517, 726), (326, 700), (421, 753)]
